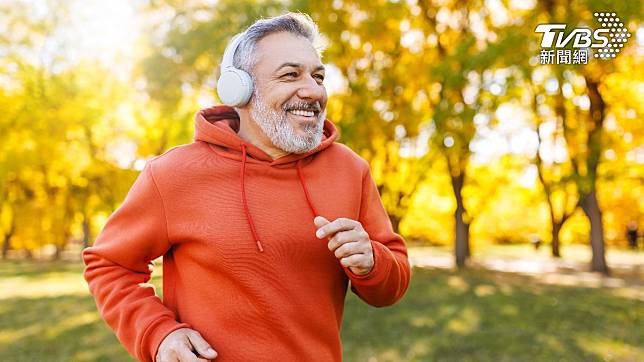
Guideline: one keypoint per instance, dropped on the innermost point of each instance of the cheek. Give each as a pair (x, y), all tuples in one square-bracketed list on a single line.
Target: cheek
[(274, 95), (279, 94)]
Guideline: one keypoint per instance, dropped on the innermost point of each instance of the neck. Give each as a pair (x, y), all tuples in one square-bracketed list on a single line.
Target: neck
[(250, 132)]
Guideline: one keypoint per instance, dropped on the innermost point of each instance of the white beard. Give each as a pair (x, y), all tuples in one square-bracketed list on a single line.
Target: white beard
[(280, 131)]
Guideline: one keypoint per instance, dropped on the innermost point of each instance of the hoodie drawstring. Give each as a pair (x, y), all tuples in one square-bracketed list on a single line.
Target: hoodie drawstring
[(306, 193), (251, 224), (243, 192)]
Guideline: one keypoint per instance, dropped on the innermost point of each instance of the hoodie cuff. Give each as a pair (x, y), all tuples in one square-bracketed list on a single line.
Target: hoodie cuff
[(382, 258), (155, 335)]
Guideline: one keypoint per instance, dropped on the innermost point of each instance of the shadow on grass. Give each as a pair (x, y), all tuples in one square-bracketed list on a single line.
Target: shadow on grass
[(460, 316), (477, 316), (59, 328), (36, 268), (63, 328)]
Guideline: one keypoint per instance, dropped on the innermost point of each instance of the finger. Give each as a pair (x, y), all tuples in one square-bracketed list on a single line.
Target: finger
[(166, 357), (333, 227), (354, 260), (185, 353), (348, 249), (343, 237), (320, 221), (201, 346), (171, 354)]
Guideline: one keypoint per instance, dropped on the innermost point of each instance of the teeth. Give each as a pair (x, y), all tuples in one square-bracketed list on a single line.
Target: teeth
[(299, 112)]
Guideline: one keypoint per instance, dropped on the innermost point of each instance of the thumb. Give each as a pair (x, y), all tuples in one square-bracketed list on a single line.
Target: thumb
[(320, 221), (200, 344)]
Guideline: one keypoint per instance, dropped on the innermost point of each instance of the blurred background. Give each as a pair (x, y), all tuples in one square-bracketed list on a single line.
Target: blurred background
[(518, 185)]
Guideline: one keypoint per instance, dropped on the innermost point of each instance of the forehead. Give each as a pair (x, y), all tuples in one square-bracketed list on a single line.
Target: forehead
[(283, 47)]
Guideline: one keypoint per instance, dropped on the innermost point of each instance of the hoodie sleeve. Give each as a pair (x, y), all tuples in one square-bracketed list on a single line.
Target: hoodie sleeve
[(119, 266), (387, 282)]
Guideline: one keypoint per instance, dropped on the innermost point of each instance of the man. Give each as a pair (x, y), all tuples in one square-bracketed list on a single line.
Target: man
[(262, 222)]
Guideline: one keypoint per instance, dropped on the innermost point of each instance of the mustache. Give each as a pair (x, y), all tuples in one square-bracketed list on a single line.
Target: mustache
[(306, 106)]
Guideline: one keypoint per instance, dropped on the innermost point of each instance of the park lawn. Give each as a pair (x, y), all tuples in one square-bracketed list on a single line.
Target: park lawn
[(47, 314)]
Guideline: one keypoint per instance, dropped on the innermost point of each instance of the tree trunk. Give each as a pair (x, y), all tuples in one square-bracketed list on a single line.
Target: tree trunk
[(462, 228), (57, 253), (462, 238), (86, 231), (589, 191), (467, 244), (395, 222), (592, 211), (6, 243), (556, 228)]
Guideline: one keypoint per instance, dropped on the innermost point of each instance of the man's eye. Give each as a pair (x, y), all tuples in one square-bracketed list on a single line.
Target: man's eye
[(320, 77), (290, 75)]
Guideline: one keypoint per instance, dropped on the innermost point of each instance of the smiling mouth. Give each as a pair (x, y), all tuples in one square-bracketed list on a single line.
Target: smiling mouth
[(309, 114)]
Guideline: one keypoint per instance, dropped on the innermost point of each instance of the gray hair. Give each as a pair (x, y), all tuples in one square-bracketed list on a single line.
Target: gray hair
[(295, 23)]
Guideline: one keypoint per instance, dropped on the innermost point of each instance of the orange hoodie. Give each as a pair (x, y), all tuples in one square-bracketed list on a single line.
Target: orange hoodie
[(241, 262)]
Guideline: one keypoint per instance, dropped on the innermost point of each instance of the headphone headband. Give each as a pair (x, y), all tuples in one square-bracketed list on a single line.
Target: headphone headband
[(235, 86), (229, 54)]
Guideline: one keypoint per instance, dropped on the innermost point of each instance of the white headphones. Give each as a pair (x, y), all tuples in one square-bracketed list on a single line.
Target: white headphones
[(234, 86)]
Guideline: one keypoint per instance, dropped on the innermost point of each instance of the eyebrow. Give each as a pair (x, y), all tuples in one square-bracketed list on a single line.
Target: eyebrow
[(297, 65)]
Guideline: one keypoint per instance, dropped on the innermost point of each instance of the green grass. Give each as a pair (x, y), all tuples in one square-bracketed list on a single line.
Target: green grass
[(46, 314), (575, 252)]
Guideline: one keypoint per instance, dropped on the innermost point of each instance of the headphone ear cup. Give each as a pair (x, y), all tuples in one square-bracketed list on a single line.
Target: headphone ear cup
[(234, 87)]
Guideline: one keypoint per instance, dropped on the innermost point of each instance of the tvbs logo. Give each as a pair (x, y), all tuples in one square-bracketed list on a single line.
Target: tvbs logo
[(581, 36), (607, 41)]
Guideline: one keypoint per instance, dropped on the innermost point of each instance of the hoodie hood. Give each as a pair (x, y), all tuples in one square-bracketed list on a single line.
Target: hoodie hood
[(218, 126)]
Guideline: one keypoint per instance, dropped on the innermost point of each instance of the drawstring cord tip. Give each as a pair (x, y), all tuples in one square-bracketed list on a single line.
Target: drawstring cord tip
[(259, 246)]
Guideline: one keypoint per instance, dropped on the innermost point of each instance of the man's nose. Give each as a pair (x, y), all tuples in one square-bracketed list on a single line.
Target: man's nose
[(311, 89)]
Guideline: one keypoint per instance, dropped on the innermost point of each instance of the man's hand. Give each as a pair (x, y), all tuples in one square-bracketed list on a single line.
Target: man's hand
[(185, 345), (349, 242)]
